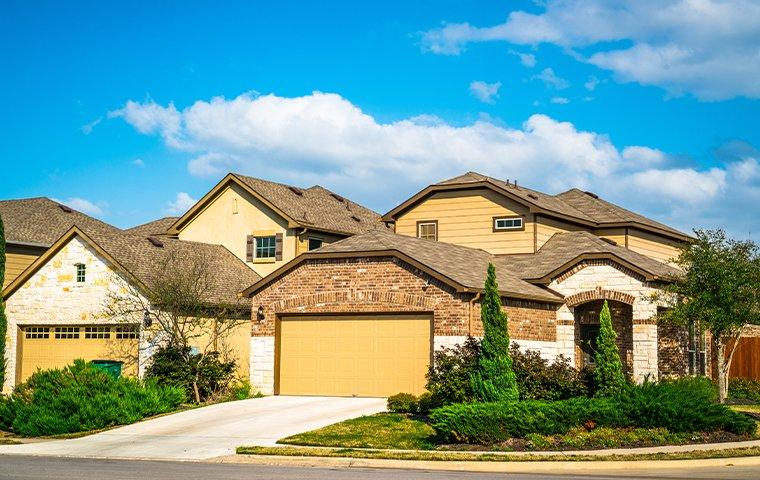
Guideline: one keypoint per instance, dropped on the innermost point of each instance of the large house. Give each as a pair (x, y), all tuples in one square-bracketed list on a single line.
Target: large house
[(345, 301)]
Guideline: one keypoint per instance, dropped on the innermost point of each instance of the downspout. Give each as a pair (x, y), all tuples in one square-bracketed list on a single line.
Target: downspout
[(472, 307)]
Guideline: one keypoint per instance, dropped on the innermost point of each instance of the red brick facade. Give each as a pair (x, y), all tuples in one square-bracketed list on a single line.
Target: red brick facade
[(388, 285)]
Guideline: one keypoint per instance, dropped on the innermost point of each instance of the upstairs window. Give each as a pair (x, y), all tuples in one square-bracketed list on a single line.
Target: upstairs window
[(427, 230), (507, 223), (314, 243), (265, 247), (81, 272)]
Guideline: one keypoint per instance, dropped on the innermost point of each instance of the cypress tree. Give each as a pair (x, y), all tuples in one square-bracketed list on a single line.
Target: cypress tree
[(608, 374), (3, 320), (495, 379)]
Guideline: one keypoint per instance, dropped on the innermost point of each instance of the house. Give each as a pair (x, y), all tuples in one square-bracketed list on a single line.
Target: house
[(362, 316), (267, 224), (57, 307)]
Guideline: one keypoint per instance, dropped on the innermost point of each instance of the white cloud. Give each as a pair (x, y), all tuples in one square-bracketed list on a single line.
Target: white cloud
[(527, 59), (551, 80), (180, 205), (323, 138), (138, 162), (710, 48), (82, 205), (591, 83), (88, 128), (485, 92), (559, 100)]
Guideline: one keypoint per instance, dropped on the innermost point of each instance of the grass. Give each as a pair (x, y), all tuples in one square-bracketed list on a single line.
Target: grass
[(382, 430), (746, 408), (490, 457)]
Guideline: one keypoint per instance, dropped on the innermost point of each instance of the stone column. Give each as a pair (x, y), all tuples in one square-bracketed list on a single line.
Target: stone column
[(262, 364), (644, 341), (566, 333)]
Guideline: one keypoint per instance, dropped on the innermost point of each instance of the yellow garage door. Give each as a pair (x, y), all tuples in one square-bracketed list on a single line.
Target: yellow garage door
[(366, 355), (46, 347)]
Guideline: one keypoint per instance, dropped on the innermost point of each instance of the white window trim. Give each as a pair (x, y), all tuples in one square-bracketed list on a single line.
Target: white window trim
[(421, 224), (520, 227)]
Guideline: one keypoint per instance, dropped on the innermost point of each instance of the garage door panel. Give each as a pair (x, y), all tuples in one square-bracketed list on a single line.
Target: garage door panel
[(365, 355)]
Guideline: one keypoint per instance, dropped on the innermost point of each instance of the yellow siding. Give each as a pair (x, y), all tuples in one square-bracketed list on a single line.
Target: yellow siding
[(303, 240), (232, 343), (546, 227), (615, 234), (218, 223), (652, 245), (466, 218), (16, 261)]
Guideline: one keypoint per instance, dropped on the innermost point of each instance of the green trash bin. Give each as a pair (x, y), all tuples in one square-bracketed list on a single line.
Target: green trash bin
[(111, 367)]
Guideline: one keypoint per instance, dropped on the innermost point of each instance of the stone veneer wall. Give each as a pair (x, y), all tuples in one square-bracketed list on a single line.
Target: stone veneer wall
[(597, 279), (52, 296), (384, 285)]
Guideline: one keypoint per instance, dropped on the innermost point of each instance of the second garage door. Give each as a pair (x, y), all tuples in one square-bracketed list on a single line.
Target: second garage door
[(364, 355)]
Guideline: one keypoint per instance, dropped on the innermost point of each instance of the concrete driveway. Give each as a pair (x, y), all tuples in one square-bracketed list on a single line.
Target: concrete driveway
[(209, 431)]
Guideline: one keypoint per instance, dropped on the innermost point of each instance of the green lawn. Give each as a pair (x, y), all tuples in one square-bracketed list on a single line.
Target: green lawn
[(382, 430)]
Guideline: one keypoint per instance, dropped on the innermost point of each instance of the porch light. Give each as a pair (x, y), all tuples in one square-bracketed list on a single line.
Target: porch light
[(260, 313), (147, 321)]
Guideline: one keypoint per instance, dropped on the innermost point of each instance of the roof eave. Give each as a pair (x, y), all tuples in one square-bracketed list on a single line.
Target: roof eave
[(548, 278)]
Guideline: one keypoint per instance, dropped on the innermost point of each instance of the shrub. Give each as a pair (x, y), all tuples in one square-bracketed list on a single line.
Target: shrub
[(402, 403), (448, 378), (681, 406), (537, 379), (744, 388), (608, 374), (426, 403), (494, 379), (80, 397), (178, 367)]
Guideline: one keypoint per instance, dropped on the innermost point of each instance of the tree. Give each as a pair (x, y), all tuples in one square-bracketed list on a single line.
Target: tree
[(3, 320), (719, 293), (495, 379), (608, 374), (181, 316)]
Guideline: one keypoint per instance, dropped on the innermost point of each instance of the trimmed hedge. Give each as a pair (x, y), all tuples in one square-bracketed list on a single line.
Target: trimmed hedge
[(81, 397), (402, 403), (679, 406)]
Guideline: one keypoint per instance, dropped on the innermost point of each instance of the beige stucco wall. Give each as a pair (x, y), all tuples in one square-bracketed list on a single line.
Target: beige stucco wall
[(218, 224), (466, 218)]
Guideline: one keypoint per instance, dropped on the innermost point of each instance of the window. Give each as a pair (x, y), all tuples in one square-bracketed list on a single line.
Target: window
[(314, 243), (37, 332), (427, 230), (97, 332), (127, 332), (66, 332), (81, 272), (507, 223), (265, 247), (697, 350)]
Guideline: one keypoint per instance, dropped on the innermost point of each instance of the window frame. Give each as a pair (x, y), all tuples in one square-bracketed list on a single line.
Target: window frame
[(67, 333), (422, 223), (81, 272), (97, 332), (37, 333), (508, 229), (127, 332), (315, 239), (256, 247)]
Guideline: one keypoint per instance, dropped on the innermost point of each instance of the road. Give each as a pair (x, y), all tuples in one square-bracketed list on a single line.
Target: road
[(56, 468)]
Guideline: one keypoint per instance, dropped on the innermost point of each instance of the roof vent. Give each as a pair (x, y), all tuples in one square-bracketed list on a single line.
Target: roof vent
[(609, 240), (533, 196), (156, 242), (296, 190), (337, 197), (591, 194), (355, 218), (65, 208)]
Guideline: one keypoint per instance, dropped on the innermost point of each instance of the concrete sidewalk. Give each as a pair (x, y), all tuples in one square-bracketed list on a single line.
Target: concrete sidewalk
[(209, 431)]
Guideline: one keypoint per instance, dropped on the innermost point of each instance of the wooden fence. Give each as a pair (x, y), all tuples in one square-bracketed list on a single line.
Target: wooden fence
[(746, 361)]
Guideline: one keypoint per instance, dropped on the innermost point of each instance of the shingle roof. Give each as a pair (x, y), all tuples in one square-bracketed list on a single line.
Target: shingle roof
[(465, 266), (602, 211), (316, 207), (146, 262), (41, 221), (156, 227), (562, 248)]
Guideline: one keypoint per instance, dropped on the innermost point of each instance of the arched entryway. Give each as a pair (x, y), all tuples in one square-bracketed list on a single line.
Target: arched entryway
[(587, 329)]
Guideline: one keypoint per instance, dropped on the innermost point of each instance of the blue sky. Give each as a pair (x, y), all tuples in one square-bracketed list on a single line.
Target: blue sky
[(131, 112)]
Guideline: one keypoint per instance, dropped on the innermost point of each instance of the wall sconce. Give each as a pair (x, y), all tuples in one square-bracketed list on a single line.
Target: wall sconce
[(147, 321), (260, 313), (426, 285)]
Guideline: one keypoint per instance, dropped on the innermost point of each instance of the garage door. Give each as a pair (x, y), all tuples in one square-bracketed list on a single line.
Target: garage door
[(46, 347), (367, 355)]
